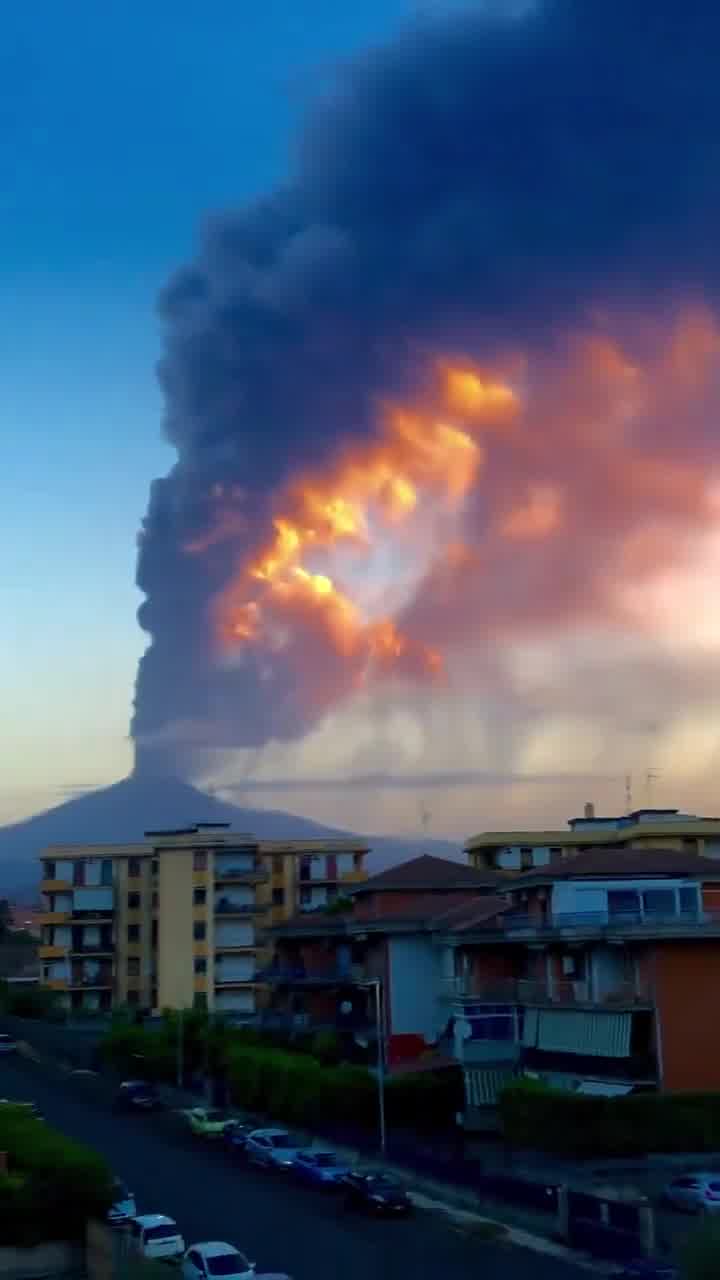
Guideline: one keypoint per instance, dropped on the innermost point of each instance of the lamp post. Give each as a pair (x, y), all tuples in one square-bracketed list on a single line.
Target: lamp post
[(376, 986)]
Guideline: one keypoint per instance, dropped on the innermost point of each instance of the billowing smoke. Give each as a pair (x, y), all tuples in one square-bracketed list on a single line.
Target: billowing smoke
[(456, 380)]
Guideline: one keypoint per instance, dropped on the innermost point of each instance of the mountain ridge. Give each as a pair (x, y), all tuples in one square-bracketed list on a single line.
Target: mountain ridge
[(123, 811)]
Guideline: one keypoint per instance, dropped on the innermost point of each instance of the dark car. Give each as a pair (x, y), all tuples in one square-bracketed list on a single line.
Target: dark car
[(137, 1095), (375, 1193), (236, 1135)]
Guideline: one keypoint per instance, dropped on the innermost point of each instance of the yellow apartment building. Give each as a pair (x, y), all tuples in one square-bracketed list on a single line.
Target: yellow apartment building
[(649, 828), (182, 918)]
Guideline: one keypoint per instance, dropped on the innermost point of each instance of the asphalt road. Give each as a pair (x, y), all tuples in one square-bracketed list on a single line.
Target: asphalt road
[(282, 1226)]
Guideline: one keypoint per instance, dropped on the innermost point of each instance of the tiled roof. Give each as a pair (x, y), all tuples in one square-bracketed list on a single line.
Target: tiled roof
[(617, 863), (428, 872)]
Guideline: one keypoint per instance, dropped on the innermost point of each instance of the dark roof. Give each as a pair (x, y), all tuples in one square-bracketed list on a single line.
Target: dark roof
[(443, 911), (428, 872), (635, 863)]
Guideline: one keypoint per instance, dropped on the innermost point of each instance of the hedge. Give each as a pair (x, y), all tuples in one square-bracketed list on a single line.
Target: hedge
[(575, 1125), (53, 1185)]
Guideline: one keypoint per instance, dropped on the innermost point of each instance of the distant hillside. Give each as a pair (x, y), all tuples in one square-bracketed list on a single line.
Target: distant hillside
[(125, 810)]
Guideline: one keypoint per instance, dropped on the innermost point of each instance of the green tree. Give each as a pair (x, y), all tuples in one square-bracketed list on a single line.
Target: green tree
[(701, 1257)]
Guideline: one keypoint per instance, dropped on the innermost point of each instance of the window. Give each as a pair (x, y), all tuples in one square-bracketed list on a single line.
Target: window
[(133, 966), (659, 902), (277, 864), (79, 872), (623, 902), (155, 899), (526, 859), (200, 860), (688, 900), (133, 933), (133, 867), (305, 896), (49, 871), (153, 933), (155, 866), (278, 897), (199, 931), (357, 861), (199, 897), (106, 871), (200, 964), (133, 901), (555, 849), (133, 995)]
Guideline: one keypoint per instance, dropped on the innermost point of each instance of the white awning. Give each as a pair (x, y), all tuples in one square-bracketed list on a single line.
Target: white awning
[(603, 1089), (599, 1034)]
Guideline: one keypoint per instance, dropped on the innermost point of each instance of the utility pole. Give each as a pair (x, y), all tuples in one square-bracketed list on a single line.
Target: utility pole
[(377, 987)]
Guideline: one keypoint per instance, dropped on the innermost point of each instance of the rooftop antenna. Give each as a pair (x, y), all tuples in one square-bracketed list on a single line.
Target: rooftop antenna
[(628, 793), (651, 777)]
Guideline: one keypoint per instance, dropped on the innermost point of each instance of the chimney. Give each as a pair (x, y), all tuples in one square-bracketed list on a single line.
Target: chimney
[(589, 810)]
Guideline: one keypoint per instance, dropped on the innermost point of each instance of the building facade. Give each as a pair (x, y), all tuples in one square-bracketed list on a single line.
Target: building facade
[(181, 918), (643, 828)]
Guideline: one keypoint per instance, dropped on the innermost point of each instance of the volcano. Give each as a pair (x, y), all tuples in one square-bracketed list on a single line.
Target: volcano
[(122, 812)]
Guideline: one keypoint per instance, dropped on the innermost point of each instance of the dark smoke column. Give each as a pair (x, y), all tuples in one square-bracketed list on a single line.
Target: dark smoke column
[(478, 179)]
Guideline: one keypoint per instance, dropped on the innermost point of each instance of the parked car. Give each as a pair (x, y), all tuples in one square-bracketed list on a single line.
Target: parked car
[(153, 1235), (272, 1148), (123, 1207), (209, 1122), (694, 1192), (8, 1044), (137, 1095), (320, 1168), (215, 1258), (376, 1193), (236, 1135)]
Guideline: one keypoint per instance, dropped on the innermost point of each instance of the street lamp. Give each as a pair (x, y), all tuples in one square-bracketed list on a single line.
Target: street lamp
[(376, 986)]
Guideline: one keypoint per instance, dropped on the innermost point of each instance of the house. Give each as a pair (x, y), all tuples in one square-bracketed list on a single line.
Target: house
[(643, 828)]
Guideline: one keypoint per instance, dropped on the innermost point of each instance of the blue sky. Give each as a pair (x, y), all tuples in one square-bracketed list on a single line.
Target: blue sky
[(123, 124)]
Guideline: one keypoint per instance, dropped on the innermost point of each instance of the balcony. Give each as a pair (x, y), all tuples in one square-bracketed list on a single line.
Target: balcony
[(241, 875), (54, 917), (299, 976), (525, 991), (224, 984), (224, 947), (227, 908), (92, 949), (56, 886), (47, 951), (92, 915), (100, 981), (615, 924)]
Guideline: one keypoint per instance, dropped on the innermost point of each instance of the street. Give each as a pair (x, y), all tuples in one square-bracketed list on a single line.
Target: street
[(282, 1226)]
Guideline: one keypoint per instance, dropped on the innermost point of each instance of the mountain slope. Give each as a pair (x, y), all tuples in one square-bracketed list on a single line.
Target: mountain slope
[(123, 811)]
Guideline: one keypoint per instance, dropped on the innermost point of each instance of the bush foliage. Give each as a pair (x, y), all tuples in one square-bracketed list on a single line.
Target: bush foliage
[(52, 1185), (576, 1125)]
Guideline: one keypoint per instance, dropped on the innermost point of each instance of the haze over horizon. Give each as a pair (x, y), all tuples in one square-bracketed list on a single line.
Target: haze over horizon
[(434, 525)]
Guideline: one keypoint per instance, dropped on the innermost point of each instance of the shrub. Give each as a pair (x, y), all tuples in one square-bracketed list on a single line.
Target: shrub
[(701, 1256), (53, 1185), (573, 1124)]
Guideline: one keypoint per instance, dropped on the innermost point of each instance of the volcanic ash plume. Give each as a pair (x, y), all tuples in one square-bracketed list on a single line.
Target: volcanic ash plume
[(453, 386)]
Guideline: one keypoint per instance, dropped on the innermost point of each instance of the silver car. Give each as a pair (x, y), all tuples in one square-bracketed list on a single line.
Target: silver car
[(695, 1193)]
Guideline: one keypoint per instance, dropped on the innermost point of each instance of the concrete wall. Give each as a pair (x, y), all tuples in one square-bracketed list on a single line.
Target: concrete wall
[(687, 975), (175, 935), (415, 985)]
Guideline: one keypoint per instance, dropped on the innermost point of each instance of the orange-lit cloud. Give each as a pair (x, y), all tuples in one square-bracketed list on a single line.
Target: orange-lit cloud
[(505, 504)]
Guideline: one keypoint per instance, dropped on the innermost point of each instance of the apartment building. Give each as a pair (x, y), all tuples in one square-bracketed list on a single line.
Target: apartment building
[(181, 918), (643, 828), (592, 973)]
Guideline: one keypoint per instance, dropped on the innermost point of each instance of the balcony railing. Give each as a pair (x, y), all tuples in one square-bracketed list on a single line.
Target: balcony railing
[(526, 991), (300, 976), (91, 948), (602, 921), (86, 980), (243, 875), (248, 980)]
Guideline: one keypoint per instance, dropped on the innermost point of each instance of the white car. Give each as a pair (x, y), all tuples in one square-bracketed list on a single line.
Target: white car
[(695, 1193), (153, 1235), (123, 1207), (214, 1258), (272, 1149)]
